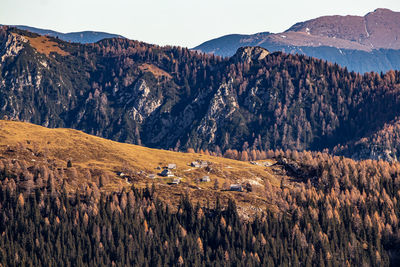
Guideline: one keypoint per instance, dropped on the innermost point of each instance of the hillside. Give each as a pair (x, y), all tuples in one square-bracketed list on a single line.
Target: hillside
[(113, 166), (173, 98), (61, 186), (362, 44)]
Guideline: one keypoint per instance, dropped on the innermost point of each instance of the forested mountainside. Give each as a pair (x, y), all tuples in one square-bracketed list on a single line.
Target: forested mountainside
[(170, 97), (360, 43), (134, 228), (61, 204)]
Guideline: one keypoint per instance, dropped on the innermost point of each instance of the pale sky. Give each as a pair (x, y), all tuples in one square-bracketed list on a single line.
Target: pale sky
[(177, 22)]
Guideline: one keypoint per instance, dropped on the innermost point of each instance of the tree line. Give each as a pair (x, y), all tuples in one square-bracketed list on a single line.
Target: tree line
[(333, 212)]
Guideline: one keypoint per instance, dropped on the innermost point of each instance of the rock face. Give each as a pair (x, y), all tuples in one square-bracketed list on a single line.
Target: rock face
[(174, 98), (11, 45), (221, 108), (144, 105), (362, 44), (249, 54)]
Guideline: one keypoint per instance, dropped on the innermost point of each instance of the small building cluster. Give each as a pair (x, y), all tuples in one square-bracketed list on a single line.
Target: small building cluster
[(199, 164), (167, 173), (167, 170), (264, 164)]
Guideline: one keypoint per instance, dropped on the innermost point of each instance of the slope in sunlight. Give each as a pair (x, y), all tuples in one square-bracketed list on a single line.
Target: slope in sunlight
[(83, 160), (321, 200)]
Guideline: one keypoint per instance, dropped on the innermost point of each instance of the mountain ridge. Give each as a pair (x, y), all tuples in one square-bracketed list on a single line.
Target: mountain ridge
[(76, 37), (362, 44), (174, 98), (375, 30)]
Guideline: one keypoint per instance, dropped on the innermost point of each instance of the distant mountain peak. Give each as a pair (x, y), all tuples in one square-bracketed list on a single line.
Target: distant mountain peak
[(250, 54), (360, 43), (383, 10), (75, 37), (375, 30)]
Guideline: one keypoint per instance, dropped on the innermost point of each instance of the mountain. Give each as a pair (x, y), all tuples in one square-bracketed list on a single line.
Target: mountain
[(62, 186), (227, 45), (106, 200), (74, 37), (174, 98), (362, 44), (376, 30)]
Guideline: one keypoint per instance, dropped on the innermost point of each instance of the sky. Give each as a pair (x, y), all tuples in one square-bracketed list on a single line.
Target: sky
[(177, 22)]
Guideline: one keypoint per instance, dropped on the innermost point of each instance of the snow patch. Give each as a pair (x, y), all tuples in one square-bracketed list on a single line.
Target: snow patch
[(366, 30)]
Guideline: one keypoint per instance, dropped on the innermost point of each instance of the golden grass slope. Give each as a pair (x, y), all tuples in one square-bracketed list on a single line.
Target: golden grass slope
[(44, 45), (95, 153), (156, 71)]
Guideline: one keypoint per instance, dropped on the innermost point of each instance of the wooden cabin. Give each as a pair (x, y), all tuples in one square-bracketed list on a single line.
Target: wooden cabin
[(236, 187)]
